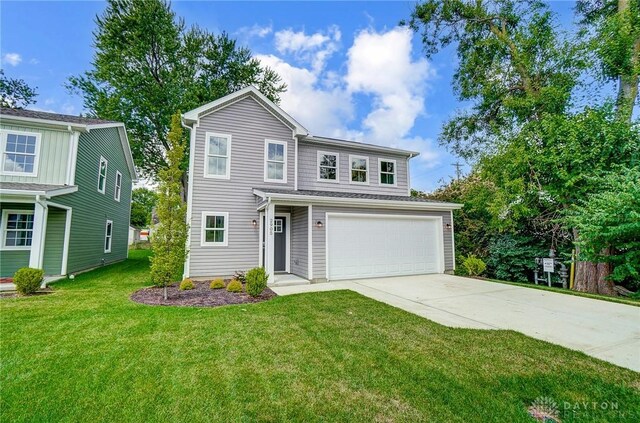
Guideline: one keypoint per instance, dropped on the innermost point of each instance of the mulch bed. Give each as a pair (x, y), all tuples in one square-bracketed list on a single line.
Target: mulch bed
[(201, 296)]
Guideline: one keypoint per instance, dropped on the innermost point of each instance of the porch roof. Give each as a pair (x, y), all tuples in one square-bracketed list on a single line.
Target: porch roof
[(349, 198), (29, 189)]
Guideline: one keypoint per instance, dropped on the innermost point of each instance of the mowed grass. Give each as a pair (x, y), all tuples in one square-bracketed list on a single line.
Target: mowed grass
[(87, 353)]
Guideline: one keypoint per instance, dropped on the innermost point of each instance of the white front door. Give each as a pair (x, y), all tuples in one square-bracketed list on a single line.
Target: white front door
[(363, 246)]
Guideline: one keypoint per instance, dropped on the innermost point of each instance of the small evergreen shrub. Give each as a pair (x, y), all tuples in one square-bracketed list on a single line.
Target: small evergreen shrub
[(186, 284), (241, 276), (256, 281), (28, 280), (217, 284), (234, 286), (473, 265)]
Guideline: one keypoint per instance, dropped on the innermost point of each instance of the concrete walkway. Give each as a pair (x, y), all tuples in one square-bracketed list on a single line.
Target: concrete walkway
[(602, 329)]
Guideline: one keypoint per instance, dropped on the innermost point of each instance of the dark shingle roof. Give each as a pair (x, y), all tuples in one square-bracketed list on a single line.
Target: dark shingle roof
[(30, 187), (304, 192), (34, 114)]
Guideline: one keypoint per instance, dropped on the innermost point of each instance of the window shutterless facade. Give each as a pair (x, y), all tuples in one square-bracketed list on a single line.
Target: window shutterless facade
[(17, 229), (20, 152), (387, 170), (118, 187), (275, 161), (328, 167), (102, 175), (215, 227), (217, 160), (108, 236), (359, 169)]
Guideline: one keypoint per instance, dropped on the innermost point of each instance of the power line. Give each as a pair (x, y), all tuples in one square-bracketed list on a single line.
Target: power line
[(458, 167)]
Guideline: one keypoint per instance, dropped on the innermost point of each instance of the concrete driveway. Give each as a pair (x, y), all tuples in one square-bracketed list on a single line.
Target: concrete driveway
[(602, 329)]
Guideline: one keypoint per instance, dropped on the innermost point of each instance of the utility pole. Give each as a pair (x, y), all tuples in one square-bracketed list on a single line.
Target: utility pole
[(458, 167)]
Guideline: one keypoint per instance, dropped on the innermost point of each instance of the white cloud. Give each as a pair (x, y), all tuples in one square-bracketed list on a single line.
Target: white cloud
[(12, 59), (379, 65), (255, 31)]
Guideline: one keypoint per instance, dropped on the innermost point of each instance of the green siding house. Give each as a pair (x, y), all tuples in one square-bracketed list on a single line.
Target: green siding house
[(65, 192)]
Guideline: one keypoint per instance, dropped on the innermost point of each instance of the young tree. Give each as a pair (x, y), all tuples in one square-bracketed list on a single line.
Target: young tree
[(148, 64), (143, 201), (170, 236), (15, 93)]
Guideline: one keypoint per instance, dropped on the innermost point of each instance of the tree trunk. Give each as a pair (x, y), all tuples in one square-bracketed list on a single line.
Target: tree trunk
[(184, 180), (628, 82), (592, 277)]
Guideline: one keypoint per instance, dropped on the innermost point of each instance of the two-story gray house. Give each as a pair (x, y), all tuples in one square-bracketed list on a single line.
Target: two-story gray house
[(65, 192), (265, 192)]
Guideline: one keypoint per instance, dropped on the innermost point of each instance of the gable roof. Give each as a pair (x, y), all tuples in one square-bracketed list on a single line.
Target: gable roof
[(249, 91), (70, 122)]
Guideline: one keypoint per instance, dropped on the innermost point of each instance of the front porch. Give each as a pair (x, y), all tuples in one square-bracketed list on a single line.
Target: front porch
[(288, 279)]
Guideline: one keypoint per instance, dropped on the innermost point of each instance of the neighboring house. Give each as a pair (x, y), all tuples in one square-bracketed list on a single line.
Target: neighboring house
[(264, 192), (65, 192)]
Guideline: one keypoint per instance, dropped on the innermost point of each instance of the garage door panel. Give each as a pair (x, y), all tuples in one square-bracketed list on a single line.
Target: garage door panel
[(368, 246)]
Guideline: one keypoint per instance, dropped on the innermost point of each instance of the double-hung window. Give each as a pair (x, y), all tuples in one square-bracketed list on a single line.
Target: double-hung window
[(275, 161), (118, 188), (20, 153), (215, 227), (359, 166), (17, 229), (387, 170), (102, 175), (108, 236), (217, 156), (328, 167)]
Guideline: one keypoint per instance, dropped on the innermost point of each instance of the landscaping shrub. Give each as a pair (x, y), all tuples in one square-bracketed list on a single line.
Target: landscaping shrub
[(512, 257), (186, 284), (28, 280), (473, 265), (217, 284), (256, 281), (234, 286), (241, 276)]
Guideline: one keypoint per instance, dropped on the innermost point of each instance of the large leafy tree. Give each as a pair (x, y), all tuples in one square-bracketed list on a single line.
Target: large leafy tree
[(15, 93), (143, 200), (148, 64)]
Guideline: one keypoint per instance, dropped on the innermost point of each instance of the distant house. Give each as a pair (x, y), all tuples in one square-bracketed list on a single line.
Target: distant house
[(65, 192)]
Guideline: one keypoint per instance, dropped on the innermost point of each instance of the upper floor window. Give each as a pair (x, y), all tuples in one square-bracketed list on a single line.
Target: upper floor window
[(108, 236), (387, 172), (102, 175), (20, 153), (118, 188), (328, 167), (359, 169), (217, 156), (275, 161), (17, 229), (214, 229)]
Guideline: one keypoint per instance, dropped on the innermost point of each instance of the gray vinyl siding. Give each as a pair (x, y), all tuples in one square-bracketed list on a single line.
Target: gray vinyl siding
[(319, 234), (299, 241), (308, 170), (249, 124)]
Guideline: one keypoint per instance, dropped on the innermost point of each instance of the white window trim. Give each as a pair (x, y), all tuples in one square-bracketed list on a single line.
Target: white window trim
[(117, 190), (395, 172), (326, 153), (351, 181), (227, 174), (3, 230), (204, 243), (106, 225), (266, 156), (106, 172), (36, 160)]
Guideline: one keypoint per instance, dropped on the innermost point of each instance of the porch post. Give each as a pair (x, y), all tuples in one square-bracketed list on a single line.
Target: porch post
[(36, 257), (269, 259)]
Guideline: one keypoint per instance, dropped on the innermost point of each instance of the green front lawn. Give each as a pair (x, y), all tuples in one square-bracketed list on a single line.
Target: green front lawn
[(87, 353)]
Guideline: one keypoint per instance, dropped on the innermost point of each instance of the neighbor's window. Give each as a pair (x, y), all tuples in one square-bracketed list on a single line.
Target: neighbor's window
[(214, 228), (387, 172), (275, 167), (218, 156), (108, 235), (20, 153), (327, 166), (359, 169), (18, 229), (102, 175), (118, 190)]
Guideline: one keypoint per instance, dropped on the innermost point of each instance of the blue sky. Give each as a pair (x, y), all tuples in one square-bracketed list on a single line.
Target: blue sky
[(352, 73)]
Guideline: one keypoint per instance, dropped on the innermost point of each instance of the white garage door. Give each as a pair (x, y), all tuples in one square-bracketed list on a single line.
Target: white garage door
[(362, 246)]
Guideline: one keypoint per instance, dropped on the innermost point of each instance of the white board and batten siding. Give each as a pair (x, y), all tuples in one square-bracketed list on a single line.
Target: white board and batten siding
[(249, 124)]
